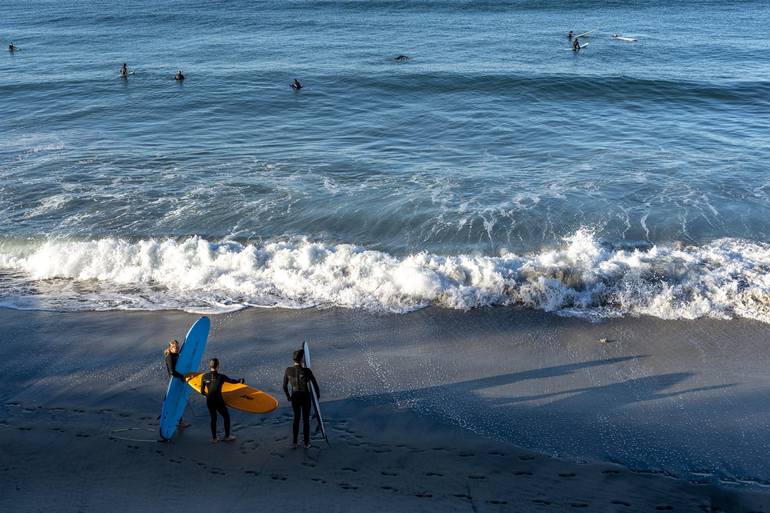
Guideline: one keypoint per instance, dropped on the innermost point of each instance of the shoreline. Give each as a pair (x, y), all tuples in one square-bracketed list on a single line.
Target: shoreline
[(433, 389)]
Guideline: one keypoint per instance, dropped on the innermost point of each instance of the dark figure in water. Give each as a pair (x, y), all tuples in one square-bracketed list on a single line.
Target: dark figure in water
[(569, 36), (12, 47), (211, 387), (575, 45), (124, 70), (179, 75), (300, 378), (171, 355), (401, 58), (296, 85)]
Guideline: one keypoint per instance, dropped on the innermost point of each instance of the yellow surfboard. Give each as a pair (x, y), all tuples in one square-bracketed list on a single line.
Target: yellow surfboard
[(240, 397)]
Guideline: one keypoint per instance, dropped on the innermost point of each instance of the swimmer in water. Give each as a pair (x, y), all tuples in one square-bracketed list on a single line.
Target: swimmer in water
[(12, 47), (179, 75), (296, 85), (569, 36), (124, 70)]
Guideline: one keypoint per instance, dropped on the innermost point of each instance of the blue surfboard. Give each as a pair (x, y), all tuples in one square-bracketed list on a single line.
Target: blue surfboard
[(177, 393)]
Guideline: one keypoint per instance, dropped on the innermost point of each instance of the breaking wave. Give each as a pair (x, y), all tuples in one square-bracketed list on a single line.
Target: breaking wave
[(583, 276)]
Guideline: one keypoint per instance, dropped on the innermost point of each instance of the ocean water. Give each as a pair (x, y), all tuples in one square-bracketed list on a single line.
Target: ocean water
[(494, 167)]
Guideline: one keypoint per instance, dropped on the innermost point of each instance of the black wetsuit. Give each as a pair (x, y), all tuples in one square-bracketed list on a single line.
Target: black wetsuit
[(211, 387), (299, 378), (171, 359)]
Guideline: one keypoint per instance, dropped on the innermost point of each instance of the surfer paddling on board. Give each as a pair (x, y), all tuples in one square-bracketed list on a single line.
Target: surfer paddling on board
[(124, 70), (296, 85), (171, 355), (300, 378), (179, 77), (211, 387)]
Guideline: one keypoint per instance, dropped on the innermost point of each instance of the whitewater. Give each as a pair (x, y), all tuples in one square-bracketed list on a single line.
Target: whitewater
[(583, 277)]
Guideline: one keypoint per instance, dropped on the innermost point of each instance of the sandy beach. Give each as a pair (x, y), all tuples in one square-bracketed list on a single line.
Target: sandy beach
[(488, 410)]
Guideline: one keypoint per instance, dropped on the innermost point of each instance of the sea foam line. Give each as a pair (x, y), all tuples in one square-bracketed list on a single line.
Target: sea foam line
[(723, 279)]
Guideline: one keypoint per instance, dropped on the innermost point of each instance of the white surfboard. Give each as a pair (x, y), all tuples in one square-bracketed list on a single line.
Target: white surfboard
[(622, 38), (313, 396), (584, 34)]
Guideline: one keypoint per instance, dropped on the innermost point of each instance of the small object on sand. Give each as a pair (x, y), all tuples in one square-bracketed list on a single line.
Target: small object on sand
[(603, 340)]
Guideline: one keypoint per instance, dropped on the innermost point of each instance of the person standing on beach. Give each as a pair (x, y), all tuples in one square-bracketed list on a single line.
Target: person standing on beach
[(299, 378), (171, 355), (211, 387)]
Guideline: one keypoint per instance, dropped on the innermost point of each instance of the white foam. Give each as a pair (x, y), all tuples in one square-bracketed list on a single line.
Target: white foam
[(723, 279)]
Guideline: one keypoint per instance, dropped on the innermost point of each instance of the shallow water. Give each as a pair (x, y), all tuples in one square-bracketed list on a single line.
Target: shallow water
[(494, 141)]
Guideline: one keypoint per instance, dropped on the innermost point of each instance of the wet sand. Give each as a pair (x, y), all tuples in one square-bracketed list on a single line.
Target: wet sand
[(489, 410)]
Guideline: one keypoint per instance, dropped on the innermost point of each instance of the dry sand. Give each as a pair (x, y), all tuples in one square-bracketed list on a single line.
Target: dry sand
[(489, 410)]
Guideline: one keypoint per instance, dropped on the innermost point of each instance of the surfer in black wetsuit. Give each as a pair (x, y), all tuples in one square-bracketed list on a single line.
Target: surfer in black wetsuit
[(171, 355), (211, 387), (300, 378), (12, 47), (575, 45), (179, 76), (296, 85), (569, 36), (124, 70)]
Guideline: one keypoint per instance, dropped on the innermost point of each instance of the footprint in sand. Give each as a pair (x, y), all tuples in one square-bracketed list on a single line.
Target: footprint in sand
[(473, 476), (82, 435), (526, 458), (611, 472), (567, 474), (389, 474), (389, 488), (25, 428), (310, 465), (318, 480), (497, 502), (578, 504), (278, 477), (349, 469), (462, 496), (542, 501), (522, 473), (621, 503), (434, 474), (251, 472), (496, 453), (465, 454), (381, 451), (348, 486), (664, 507), (423, 495)]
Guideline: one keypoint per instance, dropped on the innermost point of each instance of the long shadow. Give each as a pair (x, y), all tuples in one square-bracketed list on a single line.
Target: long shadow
[(466, 388)]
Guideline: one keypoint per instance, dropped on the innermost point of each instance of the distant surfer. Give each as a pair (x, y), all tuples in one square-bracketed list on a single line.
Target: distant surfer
[(299, 378), (124, 70), (179, 77), (12, 47), (296, 85), (575, 45), (211, 387), (569, 36), (401, 58), (171, 355)]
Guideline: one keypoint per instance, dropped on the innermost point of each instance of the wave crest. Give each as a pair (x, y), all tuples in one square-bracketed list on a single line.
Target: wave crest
[(723, 279)]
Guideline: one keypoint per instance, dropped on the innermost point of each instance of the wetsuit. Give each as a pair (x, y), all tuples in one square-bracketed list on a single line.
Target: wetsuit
[(211, 387), (299, 378), (171, 359)]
